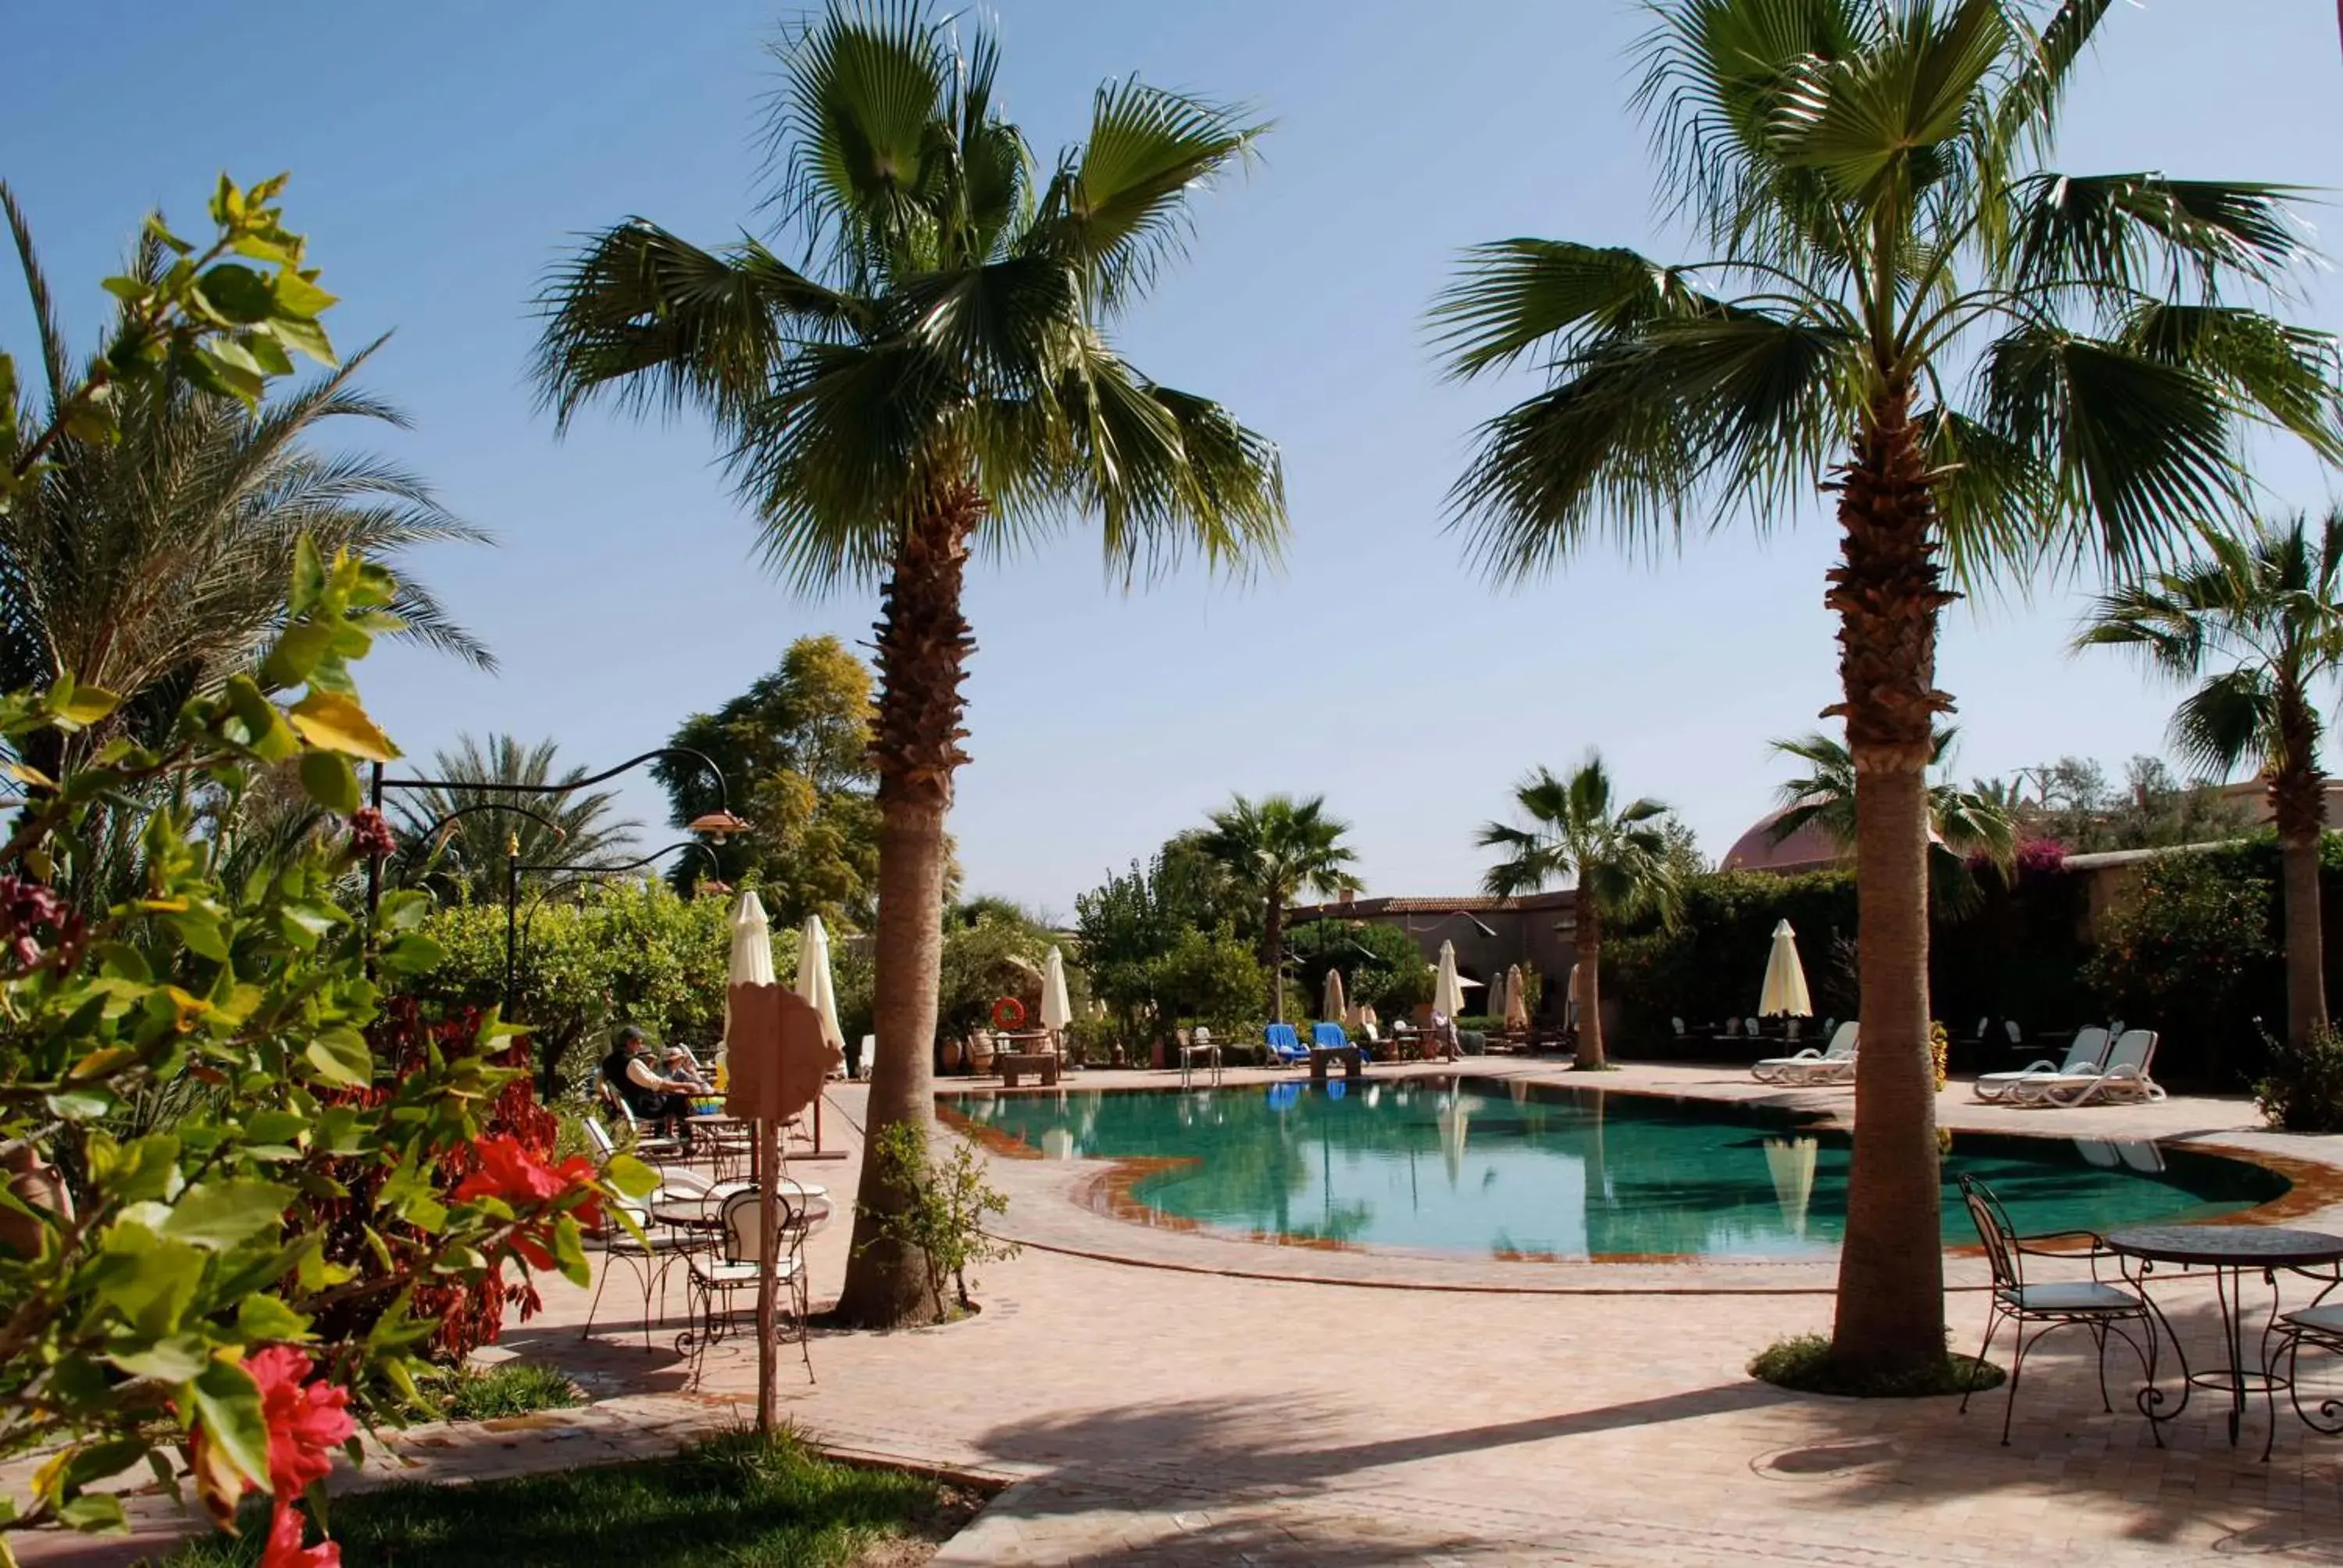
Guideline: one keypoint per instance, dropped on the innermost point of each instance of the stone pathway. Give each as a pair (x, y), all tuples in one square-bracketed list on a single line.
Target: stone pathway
[(1180, 1402)]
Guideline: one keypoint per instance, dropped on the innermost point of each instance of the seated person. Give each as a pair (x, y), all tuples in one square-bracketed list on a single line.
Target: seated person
[(660, 1101), (677, 1065)]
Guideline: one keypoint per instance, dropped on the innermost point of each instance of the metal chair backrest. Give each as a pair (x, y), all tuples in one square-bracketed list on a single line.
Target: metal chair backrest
[(600, 1137), (1994, 1231), (739, 1214), (2089, 1049)]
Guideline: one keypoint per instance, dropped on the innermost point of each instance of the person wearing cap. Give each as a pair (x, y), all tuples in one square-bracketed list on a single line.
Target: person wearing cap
[(659, 1099)]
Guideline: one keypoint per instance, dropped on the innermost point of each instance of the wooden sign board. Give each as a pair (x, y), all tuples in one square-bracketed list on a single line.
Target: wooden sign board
[(775, 1055)]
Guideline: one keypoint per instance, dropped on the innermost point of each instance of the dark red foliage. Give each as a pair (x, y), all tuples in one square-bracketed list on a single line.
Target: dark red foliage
[(469, 1316)]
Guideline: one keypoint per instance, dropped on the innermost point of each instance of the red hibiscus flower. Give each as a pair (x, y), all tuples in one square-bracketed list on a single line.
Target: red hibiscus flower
[(284, 1549), (306, 1421), (512, 1172)]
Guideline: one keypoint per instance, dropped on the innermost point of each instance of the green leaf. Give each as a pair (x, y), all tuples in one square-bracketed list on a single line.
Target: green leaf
[(147, 1279), (226, 1403), (335, 722), (262, 1318), (200, 932), (92, 1512), (266, 733), (81, 706), (330, 782), (340, 1055), (412, 954), (569, 1252), (295, 657), (308, 577), (630, 1175), (238, 293), (80, 1104), (228, 1212), (175, 1358), (305, 337), (300, 298)]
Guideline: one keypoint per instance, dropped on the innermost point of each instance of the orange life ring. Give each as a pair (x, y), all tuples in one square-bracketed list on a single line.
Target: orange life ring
[(1008, 1013)]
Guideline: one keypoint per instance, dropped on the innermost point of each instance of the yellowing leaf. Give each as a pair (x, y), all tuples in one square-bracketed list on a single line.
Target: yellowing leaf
[(85, 706), (337, 723)]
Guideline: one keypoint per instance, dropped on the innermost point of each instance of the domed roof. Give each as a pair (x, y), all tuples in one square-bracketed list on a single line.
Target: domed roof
[(1807, 849)]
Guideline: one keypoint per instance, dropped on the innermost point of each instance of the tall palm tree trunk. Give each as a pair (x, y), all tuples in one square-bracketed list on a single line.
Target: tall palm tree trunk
[(924, 648), (1888, 592), (1591, 1057), (2298, 797), (1272, 943)]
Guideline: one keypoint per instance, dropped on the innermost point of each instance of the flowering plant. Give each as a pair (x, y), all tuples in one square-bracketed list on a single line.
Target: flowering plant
[(248, 1275)]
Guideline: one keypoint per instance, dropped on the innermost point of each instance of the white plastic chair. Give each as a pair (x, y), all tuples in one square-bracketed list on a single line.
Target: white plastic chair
[(2124, 1077), (1812, 1066), (1201, 1043), (2087, 1054)]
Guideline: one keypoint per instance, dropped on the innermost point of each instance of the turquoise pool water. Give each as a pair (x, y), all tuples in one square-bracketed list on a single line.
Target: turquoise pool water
[(1567, 1173)]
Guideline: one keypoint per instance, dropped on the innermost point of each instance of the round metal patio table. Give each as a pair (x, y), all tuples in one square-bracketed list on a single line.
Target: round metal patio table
[(2230, 1253)]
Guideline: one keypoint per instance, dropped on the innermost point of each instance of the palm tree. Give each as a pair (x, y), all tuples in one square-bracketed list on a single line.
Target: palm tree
[(1619, 860), (939, 380), (2265, 614), (155, 564), (467, 855), (1272, 850), (1990, 366), (1962, 823)]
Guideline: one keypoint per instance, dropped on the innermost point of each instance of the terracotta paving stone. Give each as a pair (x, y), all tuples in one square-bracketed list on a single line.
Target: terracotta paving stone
[(1156, 1397)]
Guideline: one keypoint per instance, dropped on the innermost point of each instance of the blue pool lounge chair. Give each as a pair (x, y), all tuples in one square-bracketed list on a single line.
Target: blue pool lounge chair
[(1332, 1037), (1285, 1047)]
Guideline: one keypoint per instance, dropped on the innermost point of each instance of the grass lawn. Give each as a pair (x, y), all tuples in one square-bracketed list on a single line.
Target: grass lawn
[(733, 1500)]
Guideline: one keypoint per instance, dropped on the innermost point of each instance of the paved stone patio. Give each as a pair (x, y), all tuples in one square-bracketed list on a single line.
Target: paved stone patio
[(1152, 1396)]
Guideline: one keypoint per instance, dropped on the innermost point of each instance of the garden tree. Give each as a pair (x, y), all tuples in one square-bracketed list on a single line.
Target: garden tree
[(148, 552), (1274, 849), (992, 949), (1962, 824), (1128, 927), (2258, 619), (1381, 966), (466, 857), (1618, 856), (2072, 804), (794, 749), (593, 954), (2187, 938), (1208, 975), (941, 380), (1989, 364)]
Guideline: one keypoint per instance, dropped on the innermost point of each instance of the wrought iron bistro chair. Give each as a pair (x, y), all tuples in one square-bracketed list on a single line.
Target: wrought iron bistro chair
[(718, 1276), (2094, 1304)]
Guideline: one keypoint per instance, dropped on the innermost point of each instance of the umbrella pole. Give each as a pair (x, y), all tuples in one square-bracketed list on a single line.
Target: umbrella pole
[(769, 1234)]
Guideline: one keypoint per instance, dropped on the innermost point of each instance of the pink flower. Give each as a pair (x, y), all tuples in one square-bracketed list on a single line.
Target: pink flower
[(284, 1549), (306, 1421), (513, 1173)]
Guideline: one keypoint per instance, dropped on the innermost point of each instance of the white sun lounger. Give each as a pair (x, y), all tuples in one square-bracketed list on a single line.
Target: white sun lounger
[(2124, 1078), (1835, 1065), (2087, 1054)]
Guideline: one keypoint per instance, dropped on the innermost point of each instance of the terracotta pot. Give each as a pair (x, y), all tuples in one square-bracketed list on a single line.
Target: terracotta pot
[(951, 1054)]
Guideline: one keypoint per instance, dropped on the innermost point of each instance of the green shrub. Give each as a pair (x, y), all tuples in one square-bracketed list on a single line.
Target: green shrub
[(944, 1204), (2301, 1088), (1803, 1362), (2182, 950)]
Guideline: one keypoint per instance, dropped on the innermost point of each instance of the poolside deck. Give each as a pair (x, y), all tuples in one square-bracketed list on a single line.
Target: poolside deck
[(1169, 1398)]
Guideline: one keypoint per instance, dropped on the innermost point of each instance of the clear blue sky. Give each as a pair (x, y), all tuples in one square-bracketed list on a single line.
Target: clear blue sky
[(443, 150)]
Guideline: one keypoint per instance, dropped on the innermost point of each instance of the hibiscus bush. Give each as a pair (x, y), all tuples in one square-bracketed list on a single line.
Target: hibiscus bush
[(220, 1294)]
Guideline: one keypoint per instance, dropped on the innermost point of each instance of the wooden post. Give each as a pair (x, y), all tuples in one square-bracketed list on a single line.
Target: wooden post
[(768, 1233)]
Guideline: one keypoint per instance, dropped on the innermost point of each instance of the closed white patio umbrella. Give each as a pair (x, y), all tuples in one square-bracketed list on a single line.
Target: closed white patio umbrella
[(814, 982), (1518, 1004), (751, 962), (1057, 1010), (1497, 997), (1447, 990), (1784, 991), (1335, 1006)]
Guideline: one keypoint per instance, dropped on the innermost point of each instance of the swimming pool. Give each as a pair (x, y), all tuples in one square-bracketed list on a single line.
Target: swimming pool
[(1484, 1166)]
